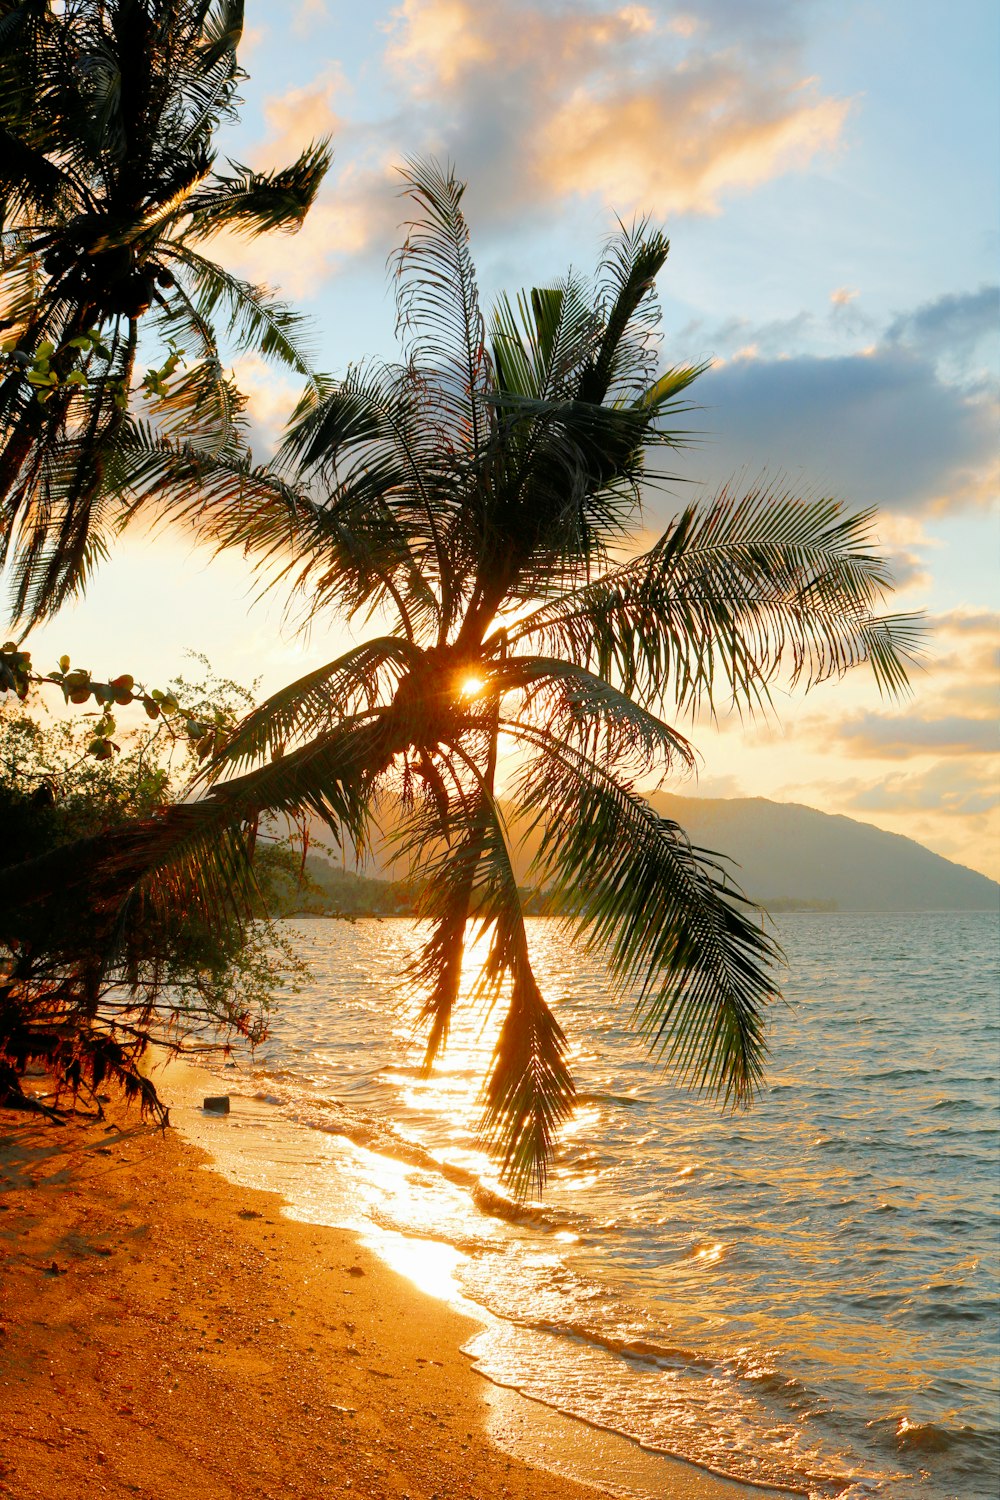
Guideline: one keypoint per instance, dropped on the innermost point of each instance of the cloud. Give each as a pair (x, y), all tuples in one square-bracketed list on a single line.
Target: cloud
[(963, 622), (557, 101), (842, 296), (902, 735), (356, 204), (544, 103), (956, 791), (908, 422), (877, 428), (713, 786), (308, 13), (954, 325), (727, 134), (433, 44), (333, 231), (271, 395), (299, 116)]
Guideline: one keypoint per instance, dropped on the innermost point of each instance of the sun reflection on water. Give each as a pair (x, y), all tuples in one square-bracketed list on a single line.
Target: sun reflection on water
[(430, 1265), (669, 1231)]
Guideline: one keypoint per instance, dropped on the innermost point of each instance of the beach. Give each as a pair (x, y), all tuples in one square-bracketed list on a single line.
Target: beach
[(166, 1334)]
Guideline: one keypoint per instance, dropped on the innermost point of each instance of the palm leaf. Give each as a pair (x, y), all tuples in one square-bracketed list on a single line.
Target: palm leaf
[(529, 1092), (677, 933), (733, 594), (255, 317), (583, 710), (256, 203), (314, 704), (438, 311)]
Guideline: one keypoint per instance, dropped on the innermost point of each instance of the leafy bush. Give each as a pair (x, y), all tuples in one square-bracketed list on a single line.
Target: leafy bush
[(82, 993)]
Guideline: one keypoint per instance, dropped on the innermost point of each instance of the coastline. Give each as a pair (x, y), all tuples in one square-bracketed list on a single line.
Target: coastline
[(164, 1333)]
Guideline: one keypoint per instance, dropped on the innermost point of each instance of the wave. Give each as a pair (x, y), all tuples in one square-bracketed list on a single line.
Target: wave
[(375, 1133), (972, 1450)]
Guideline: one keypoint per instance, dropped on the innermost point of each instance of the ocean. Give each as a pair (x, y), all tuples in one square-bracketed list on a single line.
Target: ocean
[(801, 1296)]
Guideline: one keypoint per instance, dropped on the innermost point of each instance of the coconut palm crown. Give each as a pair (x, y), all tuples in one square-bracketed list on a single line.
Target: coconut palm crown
[(481, 501), (108, 190)]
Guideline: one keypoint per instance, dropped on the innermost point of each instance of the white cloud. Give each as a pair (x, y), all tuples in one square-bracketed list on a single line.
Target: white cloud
[(308, 14)]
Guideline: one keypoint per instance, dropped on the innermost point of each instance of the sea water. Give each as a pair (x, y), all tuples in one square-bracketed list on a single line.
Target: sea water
[(804, 1295)]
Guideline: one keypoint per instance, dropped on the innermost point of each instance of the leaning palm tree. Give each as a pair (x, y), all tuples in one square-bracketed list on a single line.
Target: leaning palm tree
[(108, 191), (479, 503)]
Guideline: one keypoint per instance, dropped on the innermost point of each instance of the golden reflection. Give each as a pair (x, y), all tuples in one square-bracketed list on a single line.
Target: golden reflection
[(451, 1095), (710, 1253), (398, 1193), (429, 1264)]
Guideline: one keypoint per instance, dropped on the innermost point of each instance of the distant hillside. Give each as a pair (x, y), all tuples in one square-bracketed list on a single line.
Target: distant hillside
[(794, 855), (790, 856)]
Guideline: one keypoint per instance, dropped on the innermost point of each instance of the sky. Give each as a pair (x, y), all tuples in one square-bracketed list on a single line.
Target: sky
[(827, 172)]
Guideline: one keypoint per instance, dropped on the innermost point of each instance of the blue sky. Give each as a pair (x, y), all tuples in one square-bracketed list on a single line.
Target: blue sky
[(828, 175)]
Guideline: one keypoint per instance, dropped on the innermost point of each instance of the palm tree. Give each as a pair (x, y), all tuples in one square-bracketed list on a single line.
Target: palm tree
[(480, 501), (108, 189)]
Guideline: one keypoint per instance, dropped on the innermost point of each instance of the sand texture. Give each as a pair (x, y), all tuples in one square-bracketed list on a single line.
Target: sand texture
[(165, 1334)]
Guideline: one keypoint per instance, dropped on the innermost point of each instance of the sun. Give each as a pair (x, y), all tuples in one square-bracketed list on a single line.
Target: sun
[(471, 685)]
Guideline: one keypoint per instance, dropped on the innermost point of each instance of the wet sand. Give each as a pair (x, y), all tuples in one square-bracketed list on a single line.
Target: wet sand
[(165, 1334)]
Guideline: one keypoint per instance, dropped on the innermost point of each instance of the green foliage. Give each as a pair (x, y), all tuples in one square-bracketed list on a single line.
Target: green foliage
[(78, 992), (203, 714)]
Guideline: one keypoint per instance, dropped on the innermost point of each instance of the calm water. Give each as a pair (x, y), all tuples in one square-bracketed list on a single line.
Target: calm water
[(803, 1296)]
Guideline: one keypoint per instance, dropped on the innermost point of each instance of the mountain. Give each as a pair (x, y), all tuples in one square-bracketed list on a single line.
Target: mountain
[(788, 856)]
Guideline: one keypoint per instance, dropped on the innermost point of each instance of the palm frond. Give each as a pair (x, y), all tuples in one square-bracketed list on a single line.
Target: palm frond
[(222, 30), (530, 1093), (470, 884), (591, 714), (256, 203), (335, 555), (438, 312), (251, 314), (60, 493), (194, 855), (733, 594), (30, 183), (624, 365), (204, 405), (541, 342), (355, 683), (677, 933), (371, 444)]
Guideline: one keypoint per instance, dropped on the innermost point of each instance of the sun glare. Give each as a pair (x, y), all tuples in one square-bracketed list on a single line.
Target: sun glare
[(471, 685)]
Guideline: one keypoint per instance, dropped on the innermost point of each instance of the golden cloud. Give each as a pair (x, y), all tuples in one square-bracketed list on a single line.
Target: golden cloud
[(299, 116), (297, 264), (434, 43), (679, 146), (616, 102), (842, 296)]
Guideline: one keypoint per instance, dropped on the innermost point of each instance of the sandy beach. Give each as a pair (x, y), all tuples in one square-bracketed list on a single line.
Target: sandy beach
[(165, 1334)]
